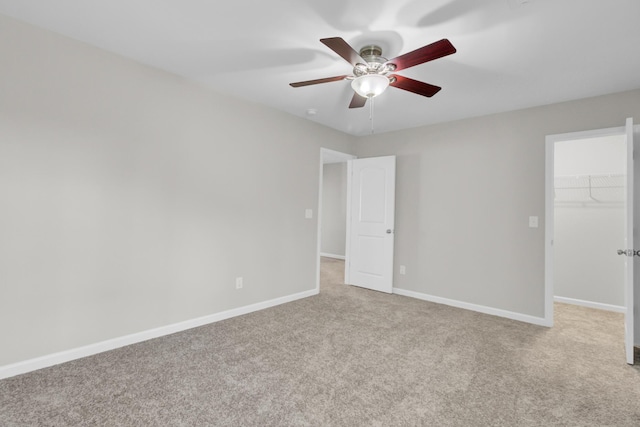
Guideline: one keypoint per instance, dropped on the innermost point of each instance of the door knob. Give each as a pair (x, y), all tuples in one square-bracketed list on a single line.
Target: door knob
[(629, 252), (389, 231)]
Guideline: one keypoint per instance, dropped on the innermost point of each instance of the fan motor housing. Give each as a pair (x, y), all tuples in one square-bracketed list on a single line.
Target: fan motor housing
[(371, 50), (372, 54)]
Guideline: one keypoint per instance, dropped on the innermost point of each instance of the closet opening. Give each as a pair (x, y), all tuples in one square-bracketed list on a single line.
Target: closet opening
[(589, 222), (589, 211)]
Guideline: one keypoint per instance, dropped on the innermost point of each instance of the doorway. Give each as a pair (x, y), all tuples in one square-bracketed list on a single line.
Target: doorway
[(550, 198), (332, 211), (589, 222), (626, 133)]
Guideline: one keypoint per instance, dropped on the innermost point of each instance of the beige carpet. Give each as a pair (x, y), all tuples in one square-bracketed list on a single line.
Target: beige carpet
[(347, 357)]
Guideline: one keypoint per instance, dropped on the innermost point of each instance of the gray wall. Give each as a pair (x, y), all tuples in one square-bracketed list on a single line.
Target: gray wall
[(465, 191), (589, 226), (131, 199), (334, 209)]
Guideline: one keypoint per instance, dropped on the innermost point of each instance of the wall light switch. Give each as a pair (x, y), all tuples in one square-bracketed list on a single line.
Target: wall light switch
[(403, 270), (308, 213), (533, 222)]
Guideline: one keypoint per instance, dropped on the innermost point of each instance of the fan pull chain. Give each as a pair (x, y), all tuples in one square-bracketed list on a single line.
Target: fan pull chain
[(371, 112)]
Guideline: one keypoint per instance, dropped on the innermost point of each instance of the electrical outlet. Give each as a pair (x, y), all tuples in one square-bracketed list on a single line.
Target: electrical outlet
[(403, 270), (239, 283)]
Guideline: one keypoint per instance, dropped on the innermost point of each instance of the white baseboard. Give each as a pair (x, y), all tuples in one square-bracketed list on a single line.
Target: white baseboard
[(591, 304), (342, 257), (540, 321), (91, 349)]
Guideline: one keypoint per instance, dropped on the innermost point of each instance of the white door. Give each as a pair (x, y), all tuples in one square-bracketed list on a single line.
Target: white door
[(370, 223), (628, 295)]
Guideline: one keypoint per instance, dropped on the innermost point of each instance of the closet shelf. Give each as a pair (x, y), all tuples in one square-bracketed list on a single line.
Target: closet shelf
[(597, 189)]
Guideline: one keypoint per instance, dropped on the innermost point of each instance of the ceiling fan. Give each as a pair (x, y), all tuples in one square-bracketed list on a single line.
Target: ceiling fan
[(372, 73)]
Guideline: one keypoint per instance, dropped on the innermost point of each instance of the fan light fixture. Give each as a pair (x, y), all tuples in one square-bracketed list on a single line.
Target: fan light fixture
[(370, 85)]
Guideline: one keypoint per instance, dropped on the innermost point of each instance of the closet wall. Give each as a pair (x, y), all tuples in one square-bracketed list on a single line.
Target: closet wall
[(589, 221)]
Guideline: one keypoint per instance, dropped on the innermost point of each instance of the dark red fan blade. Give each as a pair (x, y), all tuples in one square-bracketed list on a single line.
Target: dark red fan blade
[(424, 54), (357, 101), (415, 86), (342, 48), (318, 81)]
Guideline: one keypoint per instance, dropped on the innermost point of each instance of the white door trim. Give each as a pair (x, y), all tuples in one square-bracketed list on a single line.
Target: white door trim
[(326, 156), (629, 338), (550, 141)]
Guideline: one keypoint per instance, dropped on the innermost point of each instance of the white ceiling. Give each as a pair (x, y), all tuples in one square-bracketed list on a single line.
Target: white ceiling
[(511, 53)]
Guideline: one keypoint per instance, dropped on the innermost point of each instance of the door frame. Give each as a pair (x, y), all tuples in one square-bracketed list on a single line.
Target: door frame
[(550, 141), (326, 156)]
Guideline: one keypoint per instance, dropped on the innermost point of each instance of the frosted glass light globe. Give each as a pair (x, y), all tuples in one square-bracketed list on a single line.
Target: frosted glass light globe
[(370, 85)]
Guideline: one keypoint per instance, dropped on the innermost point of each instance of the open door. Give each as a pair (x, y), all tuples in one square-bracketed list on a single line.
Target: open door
[(370, 223), (628, 295)]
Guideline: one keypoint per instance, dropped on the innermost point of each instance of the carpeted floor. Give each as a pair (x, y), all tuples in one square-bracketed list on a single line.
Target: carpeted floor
[(347, 357)]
